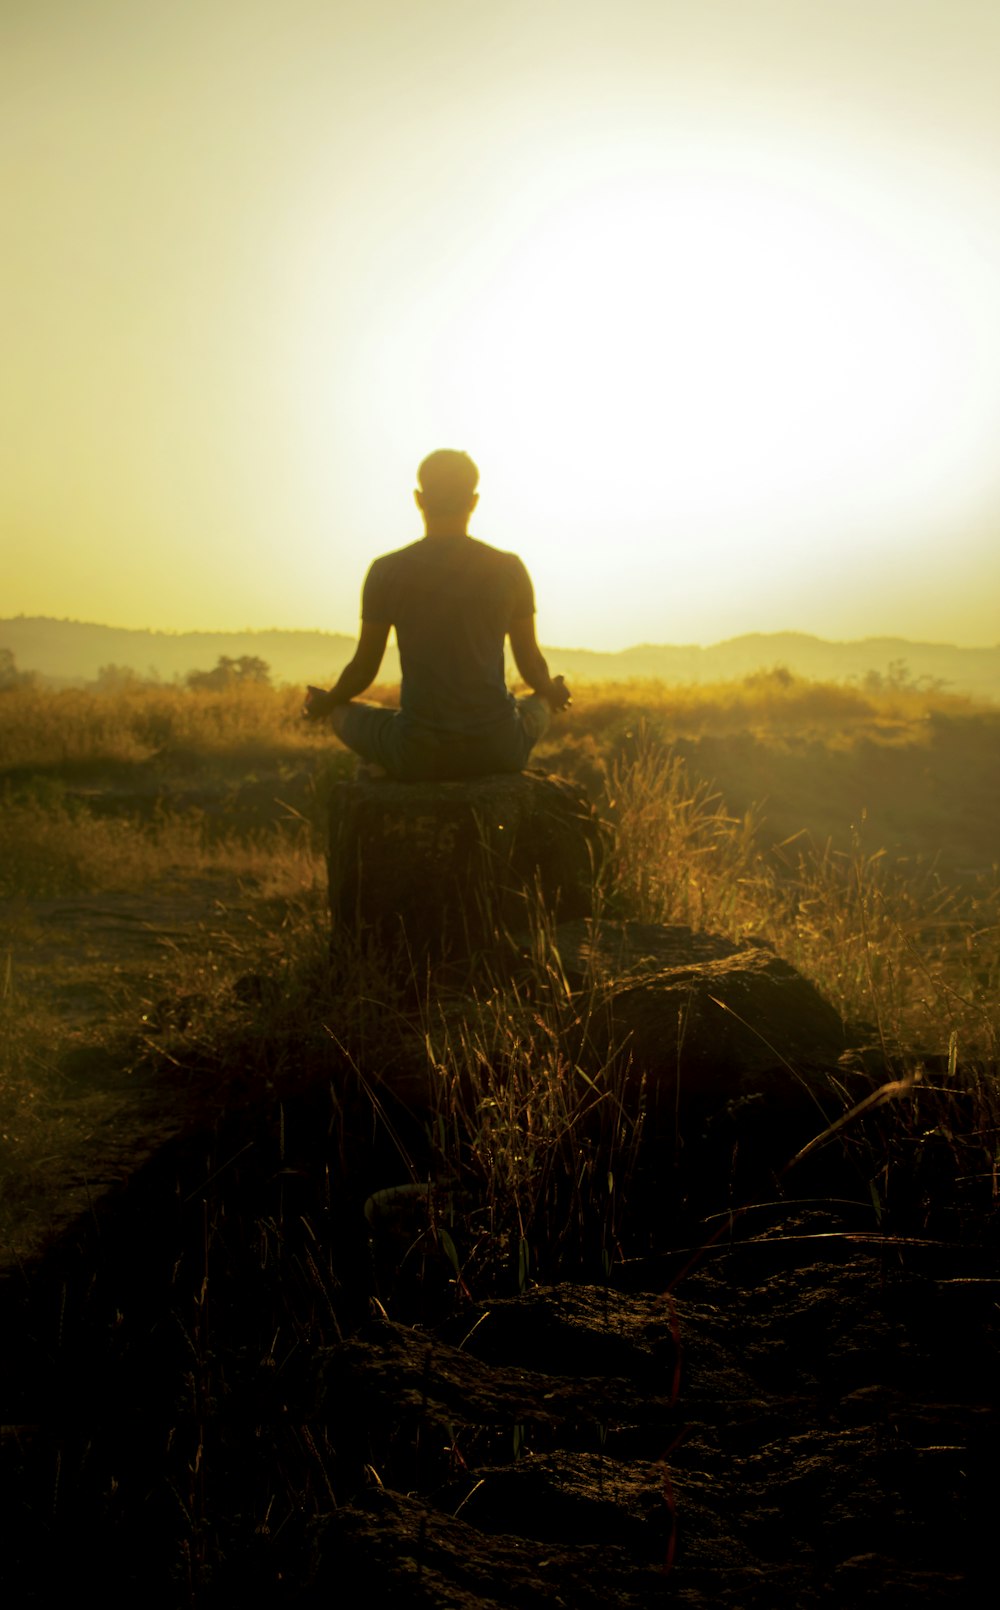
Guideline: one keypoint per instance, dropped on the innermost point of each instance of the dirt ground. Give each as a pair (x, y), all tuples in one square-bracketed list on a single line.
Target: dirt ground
[(95, 981), (804, 1420), (799, 1412)]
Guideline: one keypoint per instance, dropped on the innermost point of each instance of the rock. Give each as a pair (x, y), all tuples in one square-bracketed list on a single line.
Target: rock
[(778, 1417), (408, 1554), (451, 868), (719, 1028), (540, 1378), (607, 949)]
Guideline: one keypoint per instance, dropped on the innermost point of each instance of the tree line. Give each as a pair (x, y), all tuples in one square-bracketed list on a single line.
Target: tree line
[(244, 671)]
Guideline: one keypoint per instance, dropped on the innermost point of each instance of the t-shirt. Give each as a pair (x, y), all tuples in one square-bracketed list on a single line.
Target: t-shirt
[(452, 601)]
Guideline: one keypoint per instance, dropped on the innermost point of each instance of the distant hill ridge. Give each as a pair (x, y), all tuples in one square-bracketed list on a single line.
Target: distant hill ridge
[(74, 651)]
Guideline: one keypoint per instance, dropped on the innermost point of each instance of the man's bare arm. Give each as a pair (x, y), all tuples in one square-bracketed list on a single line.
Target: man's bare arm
[(358, 674), (530, 662)]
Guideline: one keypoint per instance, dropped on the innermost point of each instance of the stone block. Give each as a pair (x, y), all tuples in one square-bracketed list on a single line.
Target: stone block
[(453, 868)]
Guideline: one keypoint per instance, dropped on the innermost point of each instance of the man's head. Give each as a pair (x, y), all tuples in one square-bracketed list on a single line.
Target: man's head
[(447, 482)]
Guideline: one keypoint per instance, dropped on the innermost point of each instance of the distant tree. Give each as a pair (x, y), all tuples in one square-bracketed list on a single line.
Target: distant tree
[(117, 679), (776, 676), (10, 676), (898, 678), (228, 673)]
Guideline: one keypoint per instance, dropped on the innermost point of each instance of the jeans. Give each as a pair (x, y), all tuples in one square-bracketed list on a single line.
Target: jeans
[(413, 753)]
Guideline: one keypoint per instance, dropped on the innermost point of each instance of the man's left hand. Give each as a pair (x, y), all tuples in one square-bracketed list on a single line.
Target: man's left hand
[(558, 695)]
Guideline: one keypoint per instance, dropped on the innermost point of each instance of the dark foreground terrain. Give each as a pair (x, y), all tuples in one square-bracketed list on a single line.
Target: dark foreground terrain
[(260, 1368), (314, 1292)]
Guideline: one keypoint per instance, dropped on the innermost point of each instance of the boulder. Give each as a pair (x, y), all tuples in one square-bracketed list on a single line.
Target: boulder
[(606, 949), (718, 1028), (453, 868)]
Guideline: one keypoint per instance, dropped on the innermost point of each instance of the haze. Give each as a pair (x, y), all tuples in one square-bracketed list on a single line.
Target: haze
[(709, 292)]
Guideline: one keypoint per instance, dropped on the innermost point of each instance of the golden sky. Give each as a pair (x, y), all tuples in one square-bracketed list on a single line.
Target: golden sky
[(709, 289)]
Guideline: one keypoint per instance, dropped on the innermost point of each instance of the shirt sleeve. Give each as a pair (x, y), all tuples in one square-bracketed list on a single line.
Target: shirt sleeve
[(375, 600)]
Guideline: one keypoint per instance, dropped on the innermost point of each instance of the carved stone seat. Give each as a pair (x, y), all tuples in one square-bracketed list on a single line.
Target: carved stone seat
[(452, 868)]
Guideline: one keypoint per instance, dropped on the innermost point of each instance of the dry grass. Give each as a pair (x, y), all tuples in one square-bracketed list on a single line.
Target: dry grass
[(356, 1135), (537, 1140), (772, 701), (60, 850), (892, 945), (42, 729)]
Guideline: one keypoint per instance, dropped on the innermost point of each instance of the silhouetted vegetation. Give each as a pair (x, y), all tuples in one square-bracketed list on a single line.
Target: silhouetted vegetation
[(229, 673), (333, 1138), (10, 676)]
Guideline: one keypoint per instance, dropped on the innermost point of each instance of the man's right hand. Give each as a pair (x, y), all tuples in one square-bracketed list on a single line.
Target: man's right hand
[(318, 704)]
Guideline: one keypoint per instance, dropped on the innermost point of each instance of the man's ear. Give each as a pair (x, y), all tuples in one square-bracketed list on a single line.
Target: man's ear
[(475, 500), (418, 498)]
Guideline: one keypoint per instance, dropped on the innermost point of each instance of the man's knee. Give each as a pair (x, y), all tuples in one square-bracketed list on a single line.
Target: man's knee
[(338, 719), (371, 730), (536, 718)]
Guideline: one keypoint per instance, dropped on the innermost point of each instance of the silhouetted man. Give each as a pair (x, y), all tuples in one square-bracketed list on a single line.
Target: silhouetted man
[(453, 600)]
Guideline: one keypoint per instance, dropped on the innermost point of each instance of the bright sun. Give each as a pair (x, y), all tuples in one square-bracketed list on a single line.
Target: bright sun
[(708, 380), (712, 351), (704, 352)]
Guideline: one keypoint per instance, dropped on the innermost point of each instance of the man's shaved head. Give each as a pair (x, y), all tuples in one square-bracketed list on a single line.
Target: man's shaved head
[(447, 481)]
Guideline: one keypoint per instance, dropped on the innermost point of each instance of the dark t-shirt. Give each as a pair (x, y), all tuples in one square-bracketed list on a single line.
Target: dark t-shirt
[(452, 601)]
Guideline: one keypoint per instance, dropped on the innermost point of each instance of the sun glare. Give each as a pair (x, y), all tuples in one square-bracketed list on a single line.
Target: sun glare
[(729, 371), (709, 292), (714, 354), (713, 351)]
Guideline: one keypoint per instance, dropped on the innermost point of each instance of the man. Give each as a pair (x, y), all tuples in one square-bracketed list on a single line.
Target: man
[(453, 600)]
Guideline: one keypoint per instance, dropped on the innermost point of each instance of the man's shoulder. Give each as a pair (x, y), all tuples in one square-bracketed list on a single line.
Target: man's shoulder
[(446, 550), (387, 561), (498, 558), (494, 553)]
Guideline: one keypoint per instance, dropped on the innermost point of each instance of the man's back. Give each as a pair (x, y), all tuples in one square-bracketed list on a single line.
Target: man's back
[(452, 600)]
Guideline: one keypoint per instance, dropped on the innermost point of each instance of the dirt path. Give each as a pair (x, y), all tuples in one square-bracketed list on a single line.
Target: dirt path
[(93, 984)]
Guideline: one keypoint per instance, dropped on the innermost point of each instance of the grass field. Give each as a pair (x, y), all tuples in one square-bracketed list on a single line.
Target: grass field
[(158, 844), (106, 792), (297, 1137)]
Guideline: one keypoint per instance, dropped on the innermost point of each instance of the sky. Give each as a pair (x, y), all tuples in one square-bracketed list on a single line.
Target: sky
[(708, 289)]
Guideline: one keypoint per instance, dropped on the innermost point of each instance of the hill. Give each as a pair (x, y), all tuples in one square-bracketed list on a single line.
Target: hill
[(74, 651)]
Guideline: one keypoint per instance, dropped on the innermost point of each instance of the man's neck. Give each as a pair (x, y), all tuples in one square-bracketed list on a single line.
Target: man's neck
[(446, 527)]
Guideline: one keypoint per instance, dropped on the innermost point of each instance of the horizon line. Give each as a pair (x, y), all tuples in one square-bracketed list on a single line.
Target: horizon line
[(568, 648)]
